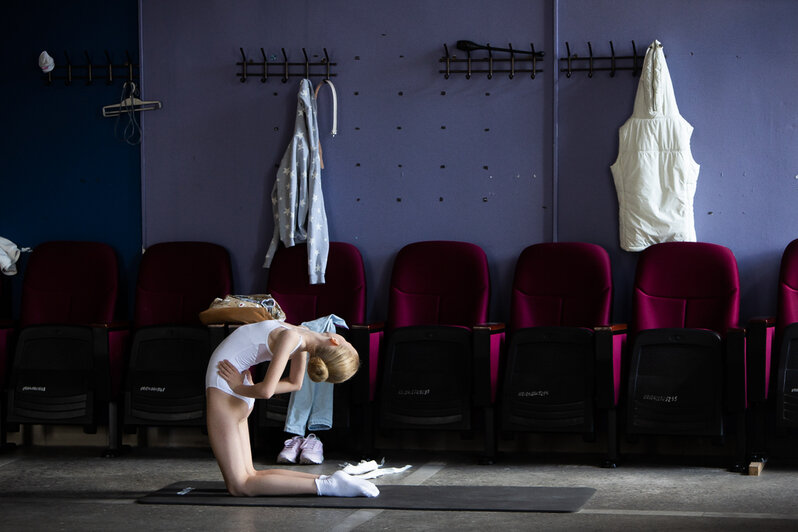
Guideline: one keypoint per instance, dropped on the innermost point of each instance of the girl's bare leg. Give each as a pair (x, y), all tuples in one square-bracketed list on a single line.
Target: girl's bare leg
[(246, 450), (225, 416)]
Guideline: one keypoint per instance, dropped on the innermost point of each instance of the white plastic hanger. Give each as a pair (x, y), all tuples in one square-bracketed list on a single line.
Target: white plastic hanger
[(130, 104)]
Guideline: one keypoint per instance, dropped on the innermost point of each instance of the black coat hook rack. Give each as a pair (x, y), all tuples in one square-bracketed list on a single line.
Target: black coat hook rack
[(518, 61), (90, 72), (611, 63), (272, 67)]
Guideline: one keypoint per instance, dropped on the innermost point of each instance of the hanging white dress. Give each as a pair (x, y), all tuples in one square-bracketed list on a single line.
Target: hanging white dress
[(655, 174)]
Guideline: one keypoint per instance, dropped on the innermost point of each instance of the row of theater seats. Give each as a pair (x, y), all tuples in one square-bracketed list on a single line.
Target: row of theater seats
[(682, 366), (67, 361)]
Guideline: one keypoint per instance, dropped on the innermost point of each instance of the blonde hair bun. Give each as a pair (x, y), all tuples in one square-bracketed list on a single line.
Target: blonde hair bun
[(317, 369)]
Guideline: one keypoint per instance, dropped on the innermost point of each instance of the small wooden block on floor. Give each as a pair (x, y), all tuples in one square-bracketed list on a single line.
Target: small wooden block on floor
[(755, 468)]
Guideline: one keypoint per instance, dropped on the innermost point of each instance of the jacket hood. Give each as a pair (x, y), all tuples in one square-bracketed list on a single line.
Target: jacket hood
[(654, 90)]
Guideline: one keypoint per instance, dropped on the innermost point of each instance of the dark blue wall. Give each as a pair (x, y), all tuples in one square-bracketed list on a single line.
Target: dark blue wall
[(64, 174)]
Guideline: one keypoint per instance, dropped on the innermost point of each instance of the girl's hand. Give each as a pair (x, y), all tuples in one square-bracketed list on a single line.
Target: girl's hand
[(229, 373)]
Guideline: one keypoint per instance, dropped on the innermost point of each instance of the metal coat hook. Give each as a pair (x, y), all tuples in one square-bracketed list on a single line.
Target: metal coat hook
[(272, 67), (327, 63), (490, 62), (70, 72), (448, 61), (612, 50), (110, 79), (244, 66), (611, 63), (515, 62), (88, 62), (568, 55), (129, 67), (69, 69), (512, 60)]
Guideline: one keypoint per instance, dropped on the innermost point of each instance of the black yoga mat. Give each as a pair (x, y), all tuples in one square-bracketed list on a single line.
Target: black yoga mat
[(461, 498)]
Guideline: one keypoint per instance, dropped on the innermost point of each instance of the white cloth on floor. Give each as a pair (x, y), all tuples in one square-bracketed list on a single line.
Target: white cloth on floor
[(383, 471), (371, 469), (363, 467)]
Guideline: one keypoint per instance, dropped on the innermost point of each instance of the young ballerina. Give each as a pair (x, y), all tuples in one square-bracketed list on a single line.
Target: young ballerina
[(231, 395)]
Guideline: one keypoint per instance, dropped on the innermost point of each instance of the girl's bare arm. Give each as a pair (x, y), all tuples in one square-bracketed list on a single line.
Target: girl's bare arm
[(281, 345)]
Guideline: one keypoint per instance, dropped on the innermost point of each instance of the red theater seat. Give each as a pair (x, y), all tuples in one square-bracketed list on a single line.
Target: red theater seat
[(440, 363), (343, 294), (170, 347), (687, 363), (68, 358), (563, 359)]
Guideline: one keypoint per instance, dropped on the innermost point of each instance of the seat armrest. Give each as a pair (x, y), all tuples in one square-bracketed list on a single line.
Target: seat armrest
[(615, 328), (488, 349), (760, 334), (102, 361), (376, 326), (118, 347), (367, 339), (610, 349), (6, 332), (735, 352), (492, 327)]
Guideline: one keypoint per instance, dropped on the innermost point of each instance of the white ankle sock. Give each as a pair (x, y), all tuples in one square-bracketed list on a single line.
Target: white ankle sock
[(342, 485)]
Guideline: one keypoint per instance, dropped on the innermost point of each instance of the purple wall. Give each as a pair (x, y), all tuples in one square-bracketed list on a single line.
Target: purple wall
[(209, 157), (473, 159), (733, 65)]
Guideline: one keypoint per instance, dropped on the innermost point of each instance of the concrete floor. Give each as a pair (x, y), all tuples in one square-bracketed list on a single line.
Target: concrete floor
[(72, 488)]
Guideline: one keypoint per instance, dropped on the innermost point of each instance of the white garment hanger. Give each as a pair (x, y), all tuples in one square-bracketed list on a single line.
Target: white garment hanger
[(130, 104), (334, 101), (335, 113)]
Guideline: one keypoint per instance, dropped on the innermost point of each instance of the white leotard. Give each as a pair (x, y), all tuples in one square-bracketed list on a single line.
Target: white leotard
[(246, 346)]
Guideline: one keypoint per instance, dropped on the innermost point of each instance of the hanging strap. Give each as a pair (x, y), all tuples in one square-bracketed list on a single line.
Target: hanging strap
[(334, 130)]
